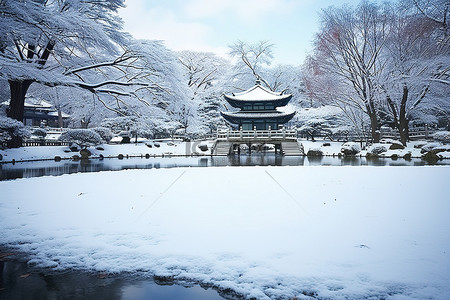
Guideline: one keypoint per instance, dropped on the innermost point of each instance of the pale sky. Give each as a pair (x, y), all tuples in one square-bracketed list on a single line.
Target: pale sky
[(213, 25)]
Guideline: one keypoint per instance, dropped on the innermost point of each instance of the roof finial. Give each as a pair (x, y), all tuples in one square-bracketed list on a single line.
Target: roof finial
[(258, 82)]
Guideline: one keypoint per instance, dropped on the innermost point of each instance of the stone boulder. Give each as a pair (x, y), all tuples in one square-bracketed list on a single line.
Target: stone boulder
[(431, 157), (85, 153), (74, 147), (428, 147), (314, 152), (203, 147), (350, 148), (407, 156), (396, 146)]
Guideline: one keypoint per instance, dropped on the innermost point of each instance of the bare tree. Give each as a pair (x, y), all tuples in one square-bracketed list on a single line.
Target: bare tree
[(348, 48), (437, 11), (416, 63), (253, 57), (205, 74)]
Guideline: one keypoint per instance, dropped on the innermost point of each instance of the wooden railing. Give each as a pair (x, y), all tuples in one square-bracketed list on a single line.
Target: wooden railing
[(30, 143), (257, 134), (414, 133)]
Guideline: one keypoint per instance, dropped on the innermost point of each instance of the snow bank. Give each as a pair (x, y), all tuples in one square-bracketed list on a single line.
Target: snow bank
[(156, 147), (264, 232)]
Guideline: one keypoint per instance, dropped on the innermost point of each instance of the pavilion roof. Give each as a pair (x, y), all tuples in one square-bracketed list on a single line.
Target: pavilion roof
[(257, 93)]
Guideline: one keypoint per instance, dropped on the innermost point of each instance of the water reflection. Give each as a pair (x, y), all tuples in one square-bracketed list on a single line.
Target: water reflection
[(52, 168), (20, 281)]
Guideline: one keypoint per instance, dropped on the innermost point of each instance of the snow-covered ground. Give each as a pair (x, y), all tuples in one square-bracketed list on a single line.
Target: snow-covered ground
[(264, 232)]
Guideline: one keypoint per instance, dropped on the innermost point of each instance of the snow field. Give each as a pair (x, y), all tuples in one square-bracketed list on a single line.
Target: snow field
[(264, 232)]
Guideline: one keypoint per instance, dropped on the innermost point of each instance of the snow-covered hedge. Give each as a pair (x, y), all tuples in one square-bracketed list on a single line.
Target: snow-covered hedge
[(442, 136), (82, 137), (10, 127), (105, 133)]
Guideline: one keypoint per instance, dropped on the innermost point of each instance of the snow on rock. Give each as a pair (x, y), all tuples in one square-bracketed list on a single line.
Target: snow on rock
[(327, 148), (264, 232), (351, 148), (429, 146)]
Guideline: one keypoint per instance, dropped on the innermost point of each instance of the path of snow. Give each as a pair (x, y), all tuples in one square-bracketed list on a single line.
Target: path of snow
[(265, 232)]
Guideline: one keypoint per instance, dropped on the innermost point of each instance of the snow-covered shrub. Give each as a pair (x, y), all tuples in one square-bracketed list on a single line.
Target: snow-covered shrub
[(377, 149), (105, 133), (350, 148), (82, 137), (39, 132), (9, 127), (442, 136)]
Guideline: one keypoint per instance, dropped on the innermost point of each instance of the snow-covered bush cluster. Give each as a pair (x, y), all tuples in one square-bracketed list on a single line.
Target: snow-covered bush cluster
[(10, 127), (442, 136), (81, 137), (105, 133)]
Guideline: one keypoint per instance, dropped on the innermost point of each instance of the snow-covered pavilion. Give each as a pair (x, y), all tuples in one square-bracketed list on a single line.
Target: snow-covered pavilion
[(259, 109), (259, 121)]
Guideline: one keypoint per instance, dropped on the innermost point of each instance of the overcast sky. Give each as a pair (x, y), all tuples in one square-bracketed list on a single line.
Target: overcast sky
[(213, 25)]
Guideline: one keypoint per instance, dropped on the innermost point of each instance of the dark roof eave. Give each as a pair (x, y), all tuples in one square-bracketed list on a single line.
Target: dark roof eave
[(240, 103), (235, 119)]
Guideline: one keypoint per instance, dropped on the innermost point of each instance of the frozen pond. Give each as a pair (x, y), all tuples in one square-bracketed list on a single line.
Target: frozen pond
[(52, 168)]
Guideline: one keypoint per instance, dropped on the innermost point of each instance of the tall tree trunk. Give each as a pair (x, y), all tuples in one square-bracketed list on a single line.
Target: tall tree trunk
[(403, 120), (18, 91), (374, 127)]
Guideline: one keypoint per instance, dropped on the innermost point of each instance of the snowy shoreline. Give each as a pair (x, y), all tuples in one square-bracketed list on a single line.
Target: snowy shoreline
[(263, 232), (180, 149)]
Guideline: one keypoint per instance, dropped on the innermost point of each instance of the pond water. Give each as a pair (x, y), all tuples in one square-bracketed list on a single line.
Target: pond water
[(52, 168), (20, 281)]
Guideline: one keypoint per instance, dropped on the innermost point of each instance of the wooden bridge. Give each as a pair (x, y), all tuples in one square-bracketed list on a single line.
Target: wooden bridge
[(284, 140)]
